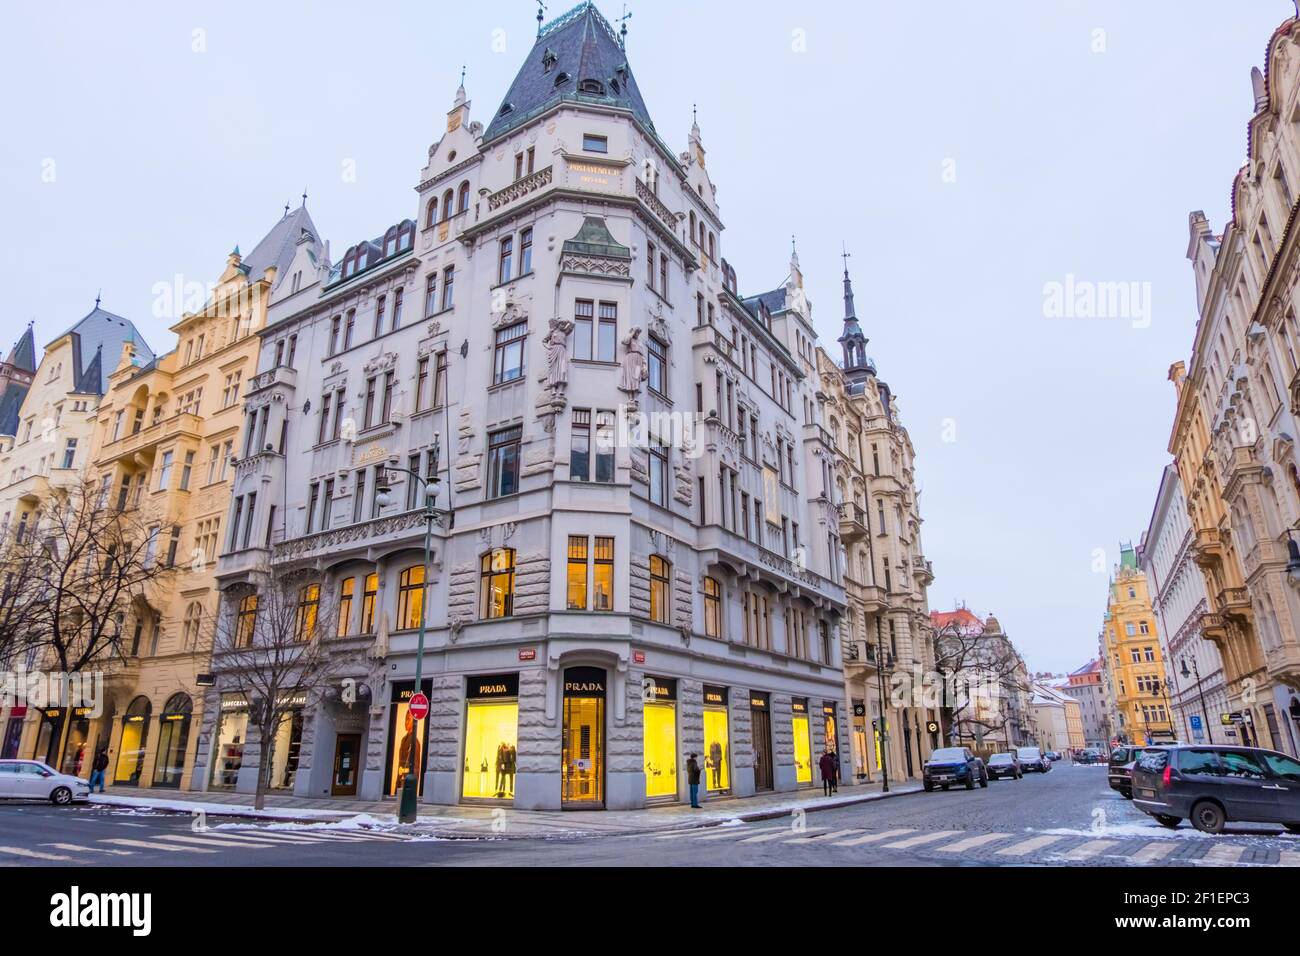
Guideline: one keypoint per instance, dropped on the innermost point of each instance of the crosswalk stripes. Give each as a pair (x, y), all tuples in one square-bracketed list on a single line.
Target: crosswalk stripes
[(777, 834), (277, 837), (154, 845), (726, 834), (873, 837), (920, 839), (34, 854), (972, 843), (1090, 849), (825, 837), (1223, 854), (1153, 852), (213, 841), (1025, 847), (78, 848)]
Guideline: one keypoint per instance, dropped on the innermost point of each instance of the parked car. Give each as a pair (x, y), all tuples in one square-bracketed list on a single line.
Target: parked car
[(1053, 756), (1212, 785), (950, 765), (1120, 769), (33, 780), (1004, 765), (1032, 760), (1089, 756)]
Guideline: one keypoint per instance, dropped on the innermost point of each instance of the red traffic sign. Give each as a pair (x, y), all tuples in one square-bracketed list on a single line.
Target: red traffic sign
[(418, 706)]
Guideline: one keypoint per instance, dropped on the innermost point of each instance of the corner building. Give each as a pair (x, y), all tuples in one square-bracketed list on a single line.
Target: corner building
[(604, 598)]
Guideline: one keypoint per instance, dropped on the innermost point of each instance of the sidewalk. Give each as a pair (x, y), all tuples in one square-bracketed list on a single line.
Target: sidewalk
[(471, 821)]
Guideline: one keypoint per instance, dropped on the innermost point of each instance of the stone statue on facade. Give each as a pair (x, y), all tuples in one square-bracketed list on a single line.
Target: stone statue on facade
[(634, 364), (556, 344)]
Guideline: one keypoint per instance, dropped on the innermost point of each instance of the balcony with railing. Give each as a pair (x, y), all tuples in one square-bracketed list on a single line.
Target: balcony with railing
[(520, 188), (853, 522), (182, 424), (279, 375), (1209, 549), (730, 548)]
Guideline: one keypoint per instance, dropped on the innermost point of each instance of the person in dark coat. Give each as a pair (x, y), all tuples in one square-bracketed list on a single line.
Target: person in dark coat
[(693, 778), (97, 769), (827, 767)]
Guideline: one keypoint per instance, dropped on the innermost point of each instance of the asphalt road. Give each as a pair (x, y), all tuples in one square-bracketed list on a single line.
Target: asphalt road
[(1065, 817)]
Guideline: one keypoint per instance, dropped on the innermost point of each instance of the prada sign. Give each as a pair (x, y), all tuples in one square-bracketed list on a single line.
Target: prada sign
[(492, 686), (757, 701), (828, 710), (584, 682), (715, 696), (659, 688), (799, 705)]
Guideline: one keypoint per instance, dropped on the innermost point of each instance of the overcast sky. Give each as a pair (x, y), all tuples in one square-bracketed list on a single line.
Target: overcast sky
[(968, 153)]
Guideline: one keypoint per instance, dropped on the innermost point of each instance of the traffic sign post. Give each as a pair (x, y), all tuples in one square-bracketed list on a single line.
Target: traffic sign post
[(418, 706)]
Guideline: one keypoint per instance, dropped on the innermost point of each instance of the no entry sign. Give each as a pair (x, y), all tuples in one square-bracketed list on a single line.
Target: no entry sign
[(418, 706)]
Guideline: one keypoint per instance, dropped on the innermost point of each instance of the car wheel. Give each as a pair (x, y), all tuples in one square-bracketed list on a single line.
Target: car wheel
[(1165, 820), (984, 780), (1292, 827), (61, 796), (929, 787), (1208, 817), (945, 788), (970, 782), (1126, 794)]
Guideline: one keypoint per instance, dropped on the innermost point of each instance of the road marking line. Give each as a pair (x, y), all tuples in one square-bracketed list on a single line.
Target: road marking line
[(279, 838), (213, 841), (1223, 854), (726, 834), (34, 854), (923, 838), (873, 837), (1085, 850), (777, 834), (76, 848), (1153, 852), (971, 843), (1288, 858), (147, 845), (828, 837), (1025, 847)]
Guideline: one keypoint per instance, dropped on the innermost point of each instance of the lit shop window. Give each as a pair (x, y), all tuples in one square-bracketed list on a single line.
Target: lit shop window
[(135, 737), (802, 741), (660, 737), (497, 583), (717, 751), (491, 737)]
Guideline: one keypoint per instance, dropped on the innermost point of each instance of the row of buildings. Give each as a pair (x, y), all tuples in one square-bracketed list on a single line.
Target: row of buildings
[(668, 521), (1202, 637)]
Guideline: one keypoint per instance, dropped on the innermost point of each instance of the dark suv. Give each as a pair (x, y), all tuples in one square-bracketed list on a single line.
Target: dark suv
[(1119, 769), (1212, 785), (952, 765)]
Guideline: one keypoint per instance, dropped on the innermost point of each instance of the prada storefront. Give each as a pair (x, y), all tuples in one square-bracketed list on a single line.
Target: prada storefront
[(406, 749), (660, 716), (717, 744), (582, 766), (491, 737), (802, 740)]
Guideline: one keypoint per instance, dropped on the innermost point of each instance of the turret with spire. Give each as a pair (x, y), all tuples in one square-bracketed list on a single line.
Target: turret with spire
[(857, 366)]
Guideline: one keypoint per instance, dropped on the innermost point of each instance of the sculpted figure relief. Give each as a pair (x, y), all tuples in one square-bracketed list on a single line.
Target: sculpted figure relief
[(634, 363)]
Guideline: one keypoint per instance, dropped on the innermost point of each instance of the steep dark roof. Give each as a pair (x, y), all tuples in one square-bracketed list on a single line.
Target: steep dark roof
[(594, 239), (23, 355), (90, 382), (278, 246), (577, 48), (11, 401), (102, 330)]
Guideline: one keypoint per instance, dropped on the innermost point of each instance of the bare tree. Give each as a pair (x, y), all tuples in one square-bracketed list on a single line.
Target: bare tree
[(984, 673), (269, 648)]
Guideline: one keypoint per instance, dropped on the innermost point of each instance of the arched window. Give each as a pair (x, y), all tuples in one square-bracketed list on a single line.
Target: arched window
[(497, 584), (692, 221), (463, 202), (134, 740), (702, 235), (447, 199), (368, 598), (347, 591), (712, 250), (410, 597), (405, 234), (431, 212), (390, 241), (173, 741), (660, 589), (304, 622), (246, 621), (190, 629)]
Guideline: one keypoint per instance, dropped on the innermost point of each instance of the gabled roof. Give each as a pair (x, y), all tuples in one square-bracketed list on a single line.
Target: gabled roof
[(572, 52), (278, 246)]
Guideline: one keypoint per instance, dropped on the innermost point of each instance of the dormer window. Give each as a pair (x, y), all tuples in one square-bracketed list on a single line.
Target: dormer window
[(613, 84), (507, 109), (548, 61), (561, 78), (594, 87)]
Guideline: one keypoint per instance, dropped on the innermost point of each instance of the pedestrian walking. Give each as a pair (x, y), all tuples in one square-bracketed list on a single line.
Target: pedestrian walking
[(693, 778), (835, 781), (827, 767), (98, 767)]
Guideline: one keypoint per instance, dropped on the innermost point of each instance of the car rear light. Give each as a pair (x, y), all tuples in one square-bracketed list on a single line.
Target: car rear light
[(1168, 774)]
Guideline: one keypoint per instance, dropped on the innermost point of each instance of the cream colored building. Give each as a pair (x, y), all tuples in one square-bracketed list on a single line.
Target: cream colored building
[(49, 452), (870, 480), (166, 438), (1245, 370)]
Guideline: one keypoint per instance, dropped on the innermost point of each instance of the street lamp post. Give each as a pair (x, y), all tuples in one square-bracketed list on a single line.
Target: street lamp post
[(884, 723), (1200, 692), (407, 810)]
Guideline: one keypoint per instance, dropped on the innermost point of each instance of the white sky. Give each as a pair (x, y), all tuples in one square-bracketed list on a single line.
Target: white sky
[(1067, 161)]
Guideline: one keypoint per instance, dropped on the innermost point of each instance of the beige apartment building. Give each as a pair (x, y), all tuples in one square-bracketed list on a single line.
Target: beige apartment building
[(164, 443), (886, 629)]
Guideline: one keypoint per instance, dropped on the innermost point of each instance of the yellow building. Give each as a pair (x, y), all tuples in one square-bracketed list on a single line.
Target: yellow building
[(1137, 669), (165, 441)]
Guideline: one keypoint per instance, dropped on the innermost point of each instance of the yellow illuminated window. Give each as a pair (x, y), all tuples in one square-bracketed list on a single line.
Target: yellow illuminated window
[(659, 588), (346, 588), (582, 768), (368, 604), (407, 745), (497, 583), (577, 573), (802, 750), (410, 597), (717, 756), (602, 576), (308, 606), (660, 750), (491, 741)]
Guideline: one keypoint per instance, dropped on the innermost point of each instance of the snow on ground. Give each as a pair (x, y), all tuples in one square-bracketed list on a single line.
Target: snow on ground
[(215, 809), (1184, 832)]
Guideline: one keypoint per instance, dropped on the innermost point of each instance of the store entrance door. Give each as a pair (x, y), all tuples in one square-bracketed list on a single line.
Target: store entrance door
[(583, 767), (347, 752), (761, 718)]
